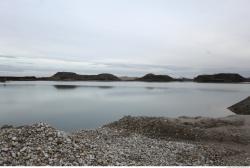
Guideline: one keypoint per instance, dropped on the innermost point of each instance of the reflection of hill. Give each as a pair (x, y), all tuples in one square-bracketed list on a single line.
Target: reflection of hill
[(105, 87), (77, 86), (65, 86)]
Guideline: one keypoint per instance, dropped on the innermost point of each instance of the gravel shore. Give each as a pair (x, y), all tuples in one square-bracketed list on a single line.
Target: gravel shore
[(119, 143)]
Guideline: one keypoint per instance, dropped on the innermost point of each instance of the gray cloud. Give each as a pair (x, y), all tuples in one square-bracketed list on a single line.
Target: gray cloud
[(178, 37)]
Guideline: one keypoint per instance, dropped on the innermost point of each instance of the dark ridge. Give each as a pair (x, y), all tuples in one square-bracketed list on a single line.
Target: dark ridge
[(242, 107), (106, 77), (156, 78), (14, 78), (184, 80), (66, 76), (70, 76), (221, 78)]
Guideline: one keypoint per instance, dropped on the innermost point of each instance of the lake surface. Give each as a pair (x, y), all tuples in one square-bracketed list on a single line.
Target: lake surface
[(75, 105)]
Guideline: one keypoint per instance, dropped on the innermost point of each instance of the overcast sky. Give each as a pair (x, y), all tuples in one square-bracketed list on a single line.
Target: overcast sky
[(124, 37)]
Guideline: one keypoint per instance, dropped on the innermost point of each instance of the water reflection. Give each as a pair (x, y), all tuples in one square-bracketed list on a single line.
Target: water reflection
[(158, 88), (65, 86), (105, 87), (77, 86), (75, 105), (150, 88)]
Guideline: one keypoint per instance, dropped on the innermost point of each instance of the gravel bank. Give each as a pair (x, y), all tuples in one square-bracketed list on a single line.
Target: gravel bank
[(115, 144)]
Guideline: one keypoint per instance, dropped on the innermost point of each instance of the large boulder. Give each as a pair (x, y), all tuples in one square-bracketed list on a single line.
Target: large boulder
[(156, 78), (220, 78), (243, 107)]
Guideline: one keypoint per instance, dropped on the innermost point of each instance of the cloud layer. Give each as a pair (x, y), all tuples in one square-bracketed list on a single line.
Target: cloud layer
[(132, 37)]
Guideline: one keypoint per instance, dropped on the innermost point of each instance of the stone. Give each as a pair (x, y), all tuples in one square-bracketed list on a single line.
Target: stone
[(23, 149), (6, 126)]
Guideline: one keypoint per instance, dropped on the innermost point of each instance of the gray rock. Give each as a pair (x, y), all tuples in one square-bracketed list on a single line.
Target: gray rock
[(6, 126)]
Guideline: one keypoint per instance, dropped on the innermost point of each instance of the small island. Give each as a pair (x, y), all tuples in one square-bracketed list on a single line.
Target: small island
[(155, 78), (220, 78), (70, 76), (64, 76)]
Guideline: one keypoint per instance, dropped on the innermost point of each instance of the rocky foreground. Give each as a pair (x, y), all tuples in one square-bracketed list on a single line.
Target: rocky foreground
[(132, 141)]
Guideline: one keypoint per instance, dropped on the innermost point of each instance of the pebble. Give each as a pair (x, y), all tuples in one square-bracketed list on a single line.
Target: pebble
[(14, 138), (103, 146), (5, 149), (23, 149)]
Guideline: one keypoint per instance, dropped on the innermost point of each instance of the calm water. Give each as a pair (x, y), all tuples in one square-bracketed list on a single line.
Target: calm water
[(75, 105)]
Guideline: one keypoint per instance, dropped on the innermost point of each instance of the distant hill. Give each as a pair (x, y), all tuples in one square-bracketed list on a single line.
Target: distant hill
[(64, 76), (155, 78), (220, 78), (70, 76)]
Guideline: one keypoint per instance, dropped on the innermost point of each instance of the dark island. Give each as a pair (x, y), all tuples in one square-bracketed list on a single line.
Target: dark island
[(15, 78), (155, 78), (220, 78), (70, 76), (64, 76)]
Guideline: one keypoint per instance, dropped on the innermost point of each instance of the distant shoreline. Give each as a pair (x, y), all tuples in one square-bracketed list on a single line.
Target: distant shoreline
[(70, 76)]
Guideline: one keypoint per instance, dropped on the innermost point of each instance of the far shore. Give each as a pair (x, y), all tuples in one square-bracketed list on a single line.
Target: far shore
[(71, 76)]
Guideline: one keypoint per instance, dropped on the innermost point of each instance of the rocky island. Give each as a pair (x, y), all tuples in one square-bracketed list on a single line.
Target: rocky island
[(70, 76), (64, 76), (15, 78), (220, 78), (155, 78)]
